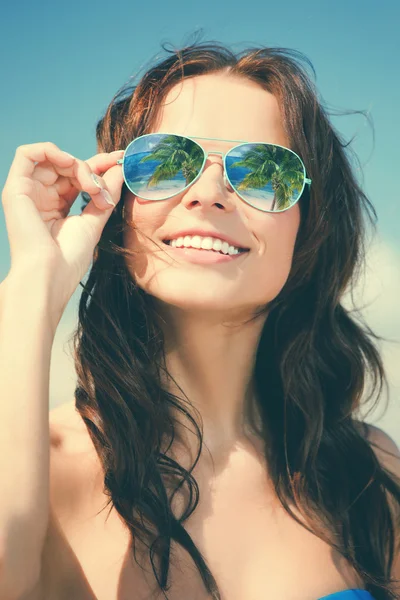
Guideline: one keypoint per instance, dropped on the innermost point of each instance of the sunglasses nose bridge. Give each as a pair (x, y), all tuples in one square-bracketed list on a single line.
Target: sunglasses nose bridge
[(222, 155)]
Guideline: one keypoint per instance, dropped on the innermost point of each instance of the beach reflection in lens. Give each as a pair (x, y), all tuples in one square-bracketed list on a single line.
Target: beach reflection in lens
[(266, 176), (159, 166)]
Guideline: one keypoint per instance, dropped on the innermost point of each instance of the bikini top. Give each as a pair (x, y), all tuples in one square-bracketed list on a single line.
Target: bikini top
[(356, 594)]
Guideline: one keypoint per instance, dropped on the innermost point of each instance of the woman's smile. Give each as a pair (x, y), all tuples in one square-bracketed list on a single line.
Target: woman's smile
[(202, 256)]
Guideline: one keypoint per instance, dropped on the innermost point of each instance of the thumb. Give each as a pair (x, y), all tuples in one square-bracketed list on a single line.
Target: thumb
[(114, 180), (96, 218)]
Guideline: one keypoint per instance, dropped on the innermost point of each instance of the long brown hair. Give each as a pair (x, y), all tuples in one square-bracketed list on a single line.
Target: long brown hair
[(312, 361)]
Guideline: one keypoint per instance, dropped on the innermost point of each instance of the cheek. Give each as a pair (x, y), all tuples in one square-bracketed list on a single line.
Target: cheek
[(145, 217), (143, 220), (282, 233), (276, 241), (274, 231), (134, 238), (144, 214)]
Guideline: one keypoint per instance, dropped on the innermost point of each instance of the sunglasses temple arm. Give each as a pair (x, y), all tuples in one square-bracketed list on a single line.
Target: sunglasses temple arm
[(120, 161), (305, 179)]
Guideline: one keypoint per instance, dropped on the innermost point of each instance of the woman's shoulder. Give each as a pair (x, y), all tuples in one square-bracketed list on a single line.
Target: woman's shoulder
[(64, 421), (74, 463), (73, 457), (74, 466), (388, 455), (385, 448)]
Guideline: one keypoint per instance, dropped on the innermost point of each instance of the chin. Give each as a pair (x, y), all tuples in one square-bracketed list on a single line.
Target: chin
[(209, 291), (198, 300), (219, 302)]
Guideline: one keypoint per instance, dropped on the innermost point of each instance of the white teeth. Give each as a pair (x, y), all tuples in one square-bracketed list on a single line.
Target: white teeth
[(205, 243), (196, 241), (217, 245)]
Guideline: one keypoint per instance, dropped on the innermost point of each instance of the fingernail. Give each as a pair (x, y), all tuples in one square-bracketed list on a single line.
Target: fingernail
[(86, 196), (96, 180), (107, 197)]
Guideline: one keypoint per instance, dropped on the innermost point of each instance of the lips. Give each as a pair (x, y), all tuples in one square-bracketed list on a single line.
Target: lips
[(204, 233), (204, 257), (168, 243)]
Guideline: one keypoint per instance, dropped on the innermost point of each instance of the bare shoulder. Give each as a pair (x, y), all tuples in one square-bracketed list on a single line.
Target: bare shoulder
[(73, 459), (385, 448), (388, 454), (70, 470), (65, 421)]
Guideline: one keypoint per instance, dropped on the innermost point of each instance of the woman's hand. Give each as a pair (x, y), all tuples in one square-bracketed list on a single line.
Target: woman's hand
[(42, 184)]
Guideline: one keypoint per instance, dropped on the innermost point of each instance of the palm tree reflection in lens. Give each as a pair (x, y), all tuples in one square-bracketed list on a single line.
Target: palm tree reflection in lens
[(268, 165), (176, 154)]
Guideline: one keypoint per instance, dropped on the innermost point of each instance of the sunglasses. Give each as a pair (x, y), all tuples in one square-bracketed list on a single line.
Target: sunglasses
[(269, 177)]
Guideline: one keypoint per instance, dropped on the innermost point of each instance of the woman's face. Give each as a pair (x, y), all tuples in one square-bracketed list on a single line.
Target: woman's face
[(226, 107)]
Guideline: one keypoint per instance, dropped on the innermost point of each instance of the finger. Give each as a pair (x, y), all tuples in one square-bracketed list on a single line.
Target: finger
[(102, 198), (66, 188), (27, 156), (46, 173), (62, 190), (69, 187), (111, 172), (85, 176), (95, 219), (81, 176), (114, 179), (100, 163)]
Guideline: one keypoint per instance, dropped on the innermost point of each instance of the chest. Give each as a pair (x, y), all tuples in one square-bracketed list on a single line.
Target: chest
[(254, 549)]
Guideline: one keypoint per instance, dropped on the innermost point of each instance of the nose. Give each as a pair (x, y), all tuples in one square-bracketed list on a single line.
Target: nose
[(212, 189)]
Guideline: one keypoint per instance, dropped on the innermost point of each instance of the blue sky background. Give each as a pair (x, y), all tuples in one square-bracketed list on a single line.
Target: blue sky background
[(61, 63)]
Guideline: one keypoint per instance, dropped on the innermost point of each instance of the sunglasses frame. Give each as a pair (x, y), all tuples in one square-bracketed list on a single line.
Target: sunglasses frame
[(307, 181)]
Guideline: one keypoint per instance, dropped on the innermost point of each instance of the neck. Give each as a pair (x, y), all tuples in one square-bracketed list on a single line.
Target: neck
[(212, 361)]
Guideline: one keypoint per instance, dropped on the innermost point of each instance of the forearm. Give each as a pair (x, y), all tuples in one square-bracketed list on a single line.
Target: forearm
[(26, 339)]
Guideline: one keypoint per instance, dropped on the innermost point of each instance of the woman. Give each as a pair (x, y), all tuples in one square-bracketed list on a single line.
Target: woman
[(219, 375)]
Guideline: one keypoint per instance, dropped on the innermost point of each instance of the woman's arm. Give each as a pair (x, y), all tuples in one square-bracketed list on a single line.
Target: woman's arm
[(26, 339)]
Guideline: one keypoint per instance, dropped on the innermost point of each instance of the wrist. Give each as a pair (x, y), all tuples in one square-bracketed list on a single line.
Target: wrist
[(28, 291)]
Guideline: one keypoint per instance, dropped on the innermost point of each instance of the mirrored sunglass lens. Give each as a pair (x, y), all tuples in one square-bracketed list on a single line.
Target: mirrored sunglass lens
[(268, 177), (157, 166)]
